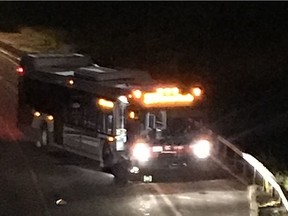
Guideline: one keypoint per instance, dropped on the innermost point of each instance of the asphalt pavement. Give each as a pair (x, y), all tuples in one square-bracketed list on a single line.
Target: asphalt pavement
[(34, 182)]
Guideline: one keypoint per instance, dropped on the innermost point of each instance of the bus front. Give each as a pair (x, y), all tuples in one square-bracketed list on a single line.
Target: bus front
[(164, 129)]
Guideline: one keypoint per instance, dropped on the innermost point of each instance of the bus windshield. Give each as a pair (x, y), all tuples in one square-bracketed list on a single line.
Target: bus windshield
[(162, 124)]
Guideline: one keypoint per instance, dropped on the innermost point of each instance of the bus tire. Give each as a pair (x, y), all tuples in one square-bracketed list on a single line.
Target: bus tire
[(107, 157), (44, 136), (120, 172)]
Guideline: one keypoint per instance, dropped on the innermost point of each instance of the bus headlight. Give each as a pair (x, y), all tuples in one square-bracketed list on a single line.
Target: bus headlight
[(141, 152), (201, 149)]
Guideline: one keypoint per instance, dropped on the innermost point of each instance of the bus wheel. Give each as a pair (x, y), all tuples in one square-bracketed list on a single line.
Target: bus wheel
[(44, 139), (120, 172), (107, 158)]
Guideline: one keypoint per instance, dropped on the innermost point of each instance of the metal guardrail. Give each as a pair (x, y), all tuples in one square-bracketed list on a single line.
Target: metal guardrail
[(246, 168)]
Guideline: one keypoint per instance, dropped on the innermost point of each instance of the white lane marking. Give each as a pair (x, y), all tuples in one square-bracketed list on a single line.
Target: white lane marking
[(166, 200)]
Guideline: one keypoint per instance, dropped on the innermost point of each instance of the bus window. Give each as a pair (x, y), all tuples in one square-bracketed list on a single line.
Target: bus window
[(97, 119), (89, 116), (107, 123), (151, 121), (74, 116), (156, 120), (161, 120)]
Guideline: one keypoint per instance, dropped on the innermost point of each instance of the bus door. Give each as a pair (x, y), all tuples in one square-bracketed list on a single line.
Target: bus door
[(72, 131), (155, 123), (98, 126), (120, 125)]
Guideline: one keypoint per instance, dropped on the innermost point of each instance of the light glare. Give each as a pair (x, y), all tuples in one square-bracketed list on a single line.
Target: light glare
[(197, 92), (202, 149), (155, 98), (105, 103), (134, 170), (137, 94), (50, 117), (110, 139), (132, 115), (37, 114), (141, 152), (71, 82), (20, 70)]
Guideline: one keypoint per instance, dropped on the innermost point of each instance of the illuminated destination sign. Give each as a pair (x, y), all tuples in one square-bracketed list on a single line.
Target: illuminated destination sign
[(165, 97)]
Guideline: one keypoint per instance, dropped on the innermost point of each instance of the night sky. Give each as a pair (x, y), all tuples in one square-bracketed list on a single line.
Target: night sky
[(238, 50)]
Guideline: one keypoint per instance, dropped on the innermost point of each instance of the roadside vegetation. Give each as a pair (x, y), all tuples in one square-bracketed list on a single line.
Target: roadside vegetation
[(38, 39)]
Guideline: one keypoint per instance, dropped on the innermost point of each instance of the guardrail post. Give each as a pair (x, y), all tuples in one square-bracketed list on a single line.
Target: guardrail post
[(216, 146), (244, 170), (259, 172), (252, 190), (225, 152), (254, 176)]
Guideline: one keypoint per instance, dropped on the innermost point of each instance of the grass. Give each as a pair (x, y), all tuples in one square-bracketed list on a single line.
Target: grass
[(282, 178), (37, 39)]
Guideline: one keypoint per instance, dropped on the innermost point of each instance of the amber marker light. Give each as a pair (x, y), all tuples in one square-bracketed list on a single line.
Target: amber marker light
[(105, 103), (197, 91), (137, 93), (71, 82)]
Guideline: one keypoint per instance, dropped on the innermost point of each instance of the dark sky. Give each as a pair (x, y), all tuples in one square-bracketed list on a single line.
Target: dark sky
[(237, 49), (192, 34), (230, 38)]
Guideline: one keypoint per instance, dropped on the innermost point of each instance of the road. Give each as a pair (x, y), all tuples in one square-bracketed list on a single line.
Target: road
[(32, 181)]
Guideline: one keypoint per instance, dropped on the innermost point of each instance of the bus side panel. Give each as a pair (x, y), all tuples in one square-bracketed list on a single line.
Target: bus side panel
[(34, 95)]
